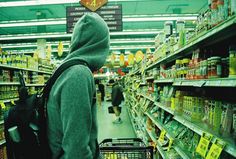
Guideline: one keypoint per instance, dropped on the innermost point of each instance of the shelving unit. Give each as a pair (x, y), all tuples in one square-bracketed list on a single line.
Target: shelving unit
[(213, 33), (24, 69), (209, 38), (170, 136)]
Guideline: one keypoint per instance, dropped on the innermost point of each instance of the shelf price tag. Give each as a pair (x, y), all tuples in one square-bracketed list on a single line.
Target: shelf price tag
[(216, 149), (170, 144), (162, 136), (203, 144), (13, 102), (3, 106)]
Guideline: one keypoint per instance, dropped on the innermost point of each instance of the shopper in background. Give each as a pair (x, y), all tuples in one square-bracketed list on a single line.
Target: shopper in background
[(116, 99), (72, 114), (101, 88)]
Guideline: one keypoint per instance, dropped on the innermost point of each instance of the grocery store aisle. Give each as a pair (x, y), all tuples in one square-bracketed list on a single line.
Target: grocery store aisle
[(106, 129)]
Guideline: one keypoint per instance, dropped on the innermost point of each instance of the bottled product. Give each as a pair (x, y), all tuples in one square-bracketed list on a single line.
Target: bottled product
[(216, 67), (214, 13), (225, 67), (168, 28), (203, 69), (221, 10), (232, 61), (209, 67)]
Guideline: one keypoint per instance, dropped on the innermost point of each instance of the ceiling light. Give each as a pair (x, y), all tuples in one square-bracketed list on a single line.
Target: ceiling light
[(26, 37), (35, 23), (136, 18), (158, 19)]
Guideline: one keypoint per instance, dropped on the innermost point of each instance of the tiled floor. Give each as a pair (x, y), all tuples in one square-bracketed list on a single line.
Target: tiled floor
[(106, 129)]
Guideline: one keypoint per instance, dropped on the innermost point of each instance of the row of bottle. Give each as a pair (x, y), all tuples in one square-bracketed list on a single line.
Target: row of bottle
[(200, 68), (218, 11)]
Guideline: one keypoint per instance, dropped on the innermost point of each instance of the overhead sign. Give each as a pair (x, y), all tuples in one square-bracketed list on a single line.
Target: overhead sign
[(93, 5), (112, 15)]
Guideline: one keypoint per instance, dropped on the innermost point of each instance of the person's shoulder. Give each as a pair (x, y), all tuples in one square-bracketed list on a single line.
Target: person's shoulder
[(79, 70)]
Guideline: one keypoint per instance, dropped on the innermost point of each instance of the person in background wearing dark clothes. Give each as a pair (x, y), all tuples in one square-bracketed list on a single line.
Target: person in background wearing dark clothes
[(116, 99), (101, 89)]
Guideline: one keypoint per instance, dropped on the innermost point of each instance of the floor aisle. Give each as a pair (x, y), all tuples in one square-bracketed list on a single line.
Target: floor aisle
[(106, 129)]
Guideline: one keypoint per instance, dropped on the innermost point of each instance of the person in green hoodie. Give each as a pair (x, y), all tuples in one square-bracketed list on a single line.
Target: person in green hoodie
[(72, 115)]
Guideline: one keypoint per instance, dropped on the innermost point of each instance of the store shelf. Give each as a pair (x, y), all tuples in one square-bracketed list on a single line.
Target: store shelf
[(135, 72), (149, 78), (147, 97), (217, 82), (212, 34), (170, 136), (164, 108), (2, 142), (9, 100), (17, 83), (24, 69), (132, 122), (35, 85), (164, 81), (158, 145), (9, 83), (200, 128)]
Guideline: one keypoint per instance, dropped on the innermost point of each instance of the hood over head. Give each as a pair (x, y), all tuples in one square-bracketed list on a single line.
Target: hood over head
[(90, 41)]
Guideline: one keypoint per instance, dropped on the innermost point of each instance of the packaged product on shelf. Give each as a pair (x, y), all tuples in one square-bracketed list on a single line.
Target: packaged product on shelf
[(168, 28), (225, 67), (227, 119), (217, 115), (233, 7), (234, 124), (232, 61), (216, 69), (221, 10)]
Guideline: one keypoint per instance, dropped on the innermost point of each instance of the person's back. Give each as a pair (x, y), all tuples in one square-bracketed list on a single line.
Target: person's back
[(117, 95), (71, 111)]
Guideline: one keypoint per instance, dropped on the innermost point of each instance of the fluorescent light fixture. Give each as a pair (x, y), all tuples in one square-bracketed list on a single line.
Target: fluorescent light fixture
[(158, 19), (135, 18), (131, 41), (35, 23), (49, 2), (67, 43), (63, 35)]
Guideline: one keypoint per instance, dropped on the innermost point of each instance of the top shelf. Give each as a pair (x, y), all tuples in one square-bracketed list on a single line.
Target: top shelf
[(214, 35), (24, 69)]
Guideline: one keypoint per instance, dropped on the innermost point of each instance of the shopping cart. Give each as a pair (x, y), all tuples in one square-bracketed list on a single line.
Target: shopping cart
[(125, 148)]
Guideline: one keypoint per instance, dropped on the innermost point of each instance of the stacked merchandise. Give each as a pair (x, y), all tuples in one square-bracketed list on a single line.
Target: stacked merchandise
[(186, 117)]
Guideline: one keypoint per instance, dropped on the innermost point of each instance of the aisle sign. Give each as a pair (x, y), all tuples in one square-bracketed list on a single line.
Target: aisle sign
[(112, 14), (203, 144), (216, 149), (93, 5)]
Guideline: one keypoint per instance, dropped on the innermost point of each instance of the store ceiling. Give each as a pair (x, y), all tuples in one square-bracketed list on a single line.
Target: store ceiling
[(18, 12)]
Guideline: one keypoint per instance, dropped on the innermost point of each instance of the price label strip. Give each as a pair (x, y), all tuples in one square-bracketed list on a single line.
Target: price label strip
[(203, 144), (162, 136), (216, 149)]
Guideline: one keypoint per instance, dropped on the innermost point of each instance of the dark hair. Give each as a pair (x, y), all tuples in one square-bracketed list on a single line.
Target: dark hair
[(111, 81)]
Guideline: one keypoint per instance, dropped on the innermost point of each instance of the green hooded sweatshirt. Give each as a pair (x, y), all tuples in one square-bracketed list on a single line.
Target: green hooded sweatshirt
[(72, 118)]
